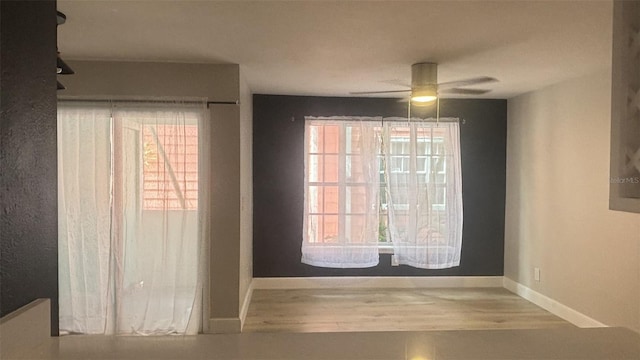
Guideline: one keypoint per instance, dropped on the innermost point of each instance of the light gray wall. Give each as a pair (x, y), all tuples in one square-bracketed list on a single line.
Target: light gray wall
[(557, 211), (246, 192), (113, 80), (144, 79), (224, 260), (625, 120)]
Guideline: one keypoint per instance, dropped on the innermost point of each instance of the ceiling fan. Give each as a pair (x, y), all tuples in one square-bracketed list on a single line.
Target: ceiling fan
[(425, 87)]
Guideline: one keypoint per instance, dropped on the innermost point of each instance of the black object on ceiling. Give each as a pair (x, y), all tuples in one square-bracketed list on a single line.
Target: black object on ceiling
[(61, 67)]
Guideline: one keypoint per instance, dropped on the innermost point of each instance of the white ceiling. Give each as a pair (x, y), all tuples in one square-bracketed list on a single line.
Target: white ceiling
[(334, 47)]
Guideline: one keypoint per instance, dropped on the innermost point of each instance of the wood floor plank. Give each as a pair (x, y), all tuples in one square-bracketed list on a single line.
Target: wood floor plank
[(329, 310)]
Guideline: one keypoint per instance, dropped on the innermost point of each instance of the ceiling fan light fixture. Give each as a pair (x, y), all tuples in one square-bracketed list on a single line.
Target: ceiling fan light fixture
[(425, 94), (424, 80)]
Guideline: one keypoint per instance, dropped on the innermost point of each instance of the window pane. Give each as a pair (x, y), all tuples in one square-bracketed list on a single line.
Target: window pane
[(399, 179), (421, 164), (399, 139), (315, 168), (396, 164), (437, 164), (438, 147), (353, 140), (399, 195), (331, 197), (331, 168), (356, 201), (441, 194), (355, 226), (423, 146), (315, 199), (383, 198), (330, 232), (401, 221), (354, 168), (383, 229), (396, 147), (314, 228), (315, 140), (331, 139)]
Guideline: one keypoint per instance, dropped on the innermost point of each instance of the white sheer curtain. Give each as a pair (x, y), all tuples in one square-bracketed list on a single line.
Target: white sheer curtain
[(84, 217), (131, 217), (341, 192), (424, 191)]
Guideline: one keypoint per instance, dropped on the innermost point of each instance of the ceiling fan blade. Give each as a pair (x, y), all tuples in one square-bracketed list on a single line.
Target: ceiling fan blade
[(467, 82), (396, 82), (464, 91), (378, 92)]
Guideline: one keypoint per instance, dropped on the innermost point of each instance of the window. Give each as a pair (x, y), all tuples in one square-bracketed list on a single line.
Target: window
[(430, 168), (337, 191), (402, 176), (341, 194), (170, 167), (323, 182)]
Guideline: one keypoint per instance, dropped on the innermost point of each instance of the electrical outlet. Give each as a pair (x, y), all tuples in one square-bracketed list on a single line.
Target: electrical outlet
[(536, 274)]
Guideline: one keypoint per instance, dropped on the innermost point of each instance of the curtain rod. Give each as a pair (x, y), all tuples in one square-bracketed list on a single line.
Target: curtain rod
[(383, 119), (236, 102)]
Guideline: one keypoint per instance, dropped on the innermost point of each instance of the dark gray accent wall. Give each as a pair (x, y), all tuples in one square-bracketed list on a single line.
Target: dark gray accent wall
[(28, 180), (278, 178)]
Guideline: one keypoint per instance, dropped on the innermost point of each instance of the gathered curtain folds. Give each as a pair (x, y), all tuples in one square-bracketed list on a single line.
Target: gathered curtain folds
[(374, 181), (131, 216), (424, 192)]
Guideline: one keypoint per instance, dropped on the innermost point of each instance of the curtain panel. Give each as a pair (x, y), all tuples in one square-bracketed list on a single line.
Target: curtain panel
[(341, 212), (424, 192), (131, 229)]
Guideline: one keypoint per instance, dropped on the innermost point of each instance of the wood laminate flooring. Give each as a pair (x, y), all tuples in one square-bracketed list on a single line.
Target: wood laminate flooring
[(348, 310)]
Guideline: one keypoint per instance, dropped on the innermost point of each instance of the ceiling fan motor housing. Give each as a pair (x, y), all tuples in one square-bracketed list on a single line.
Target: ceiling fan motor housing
[(424, 74), (424, 83)]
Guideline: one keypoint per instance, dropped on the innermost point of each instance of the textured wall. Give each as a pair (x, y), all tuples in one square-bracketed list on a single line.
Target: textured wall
[(278, 176), (28, 185)]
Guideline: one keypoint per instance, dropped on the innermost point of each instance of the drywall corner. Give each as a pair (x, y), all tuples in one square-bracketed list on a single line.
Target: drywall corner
[(246, 194), (25, 329)]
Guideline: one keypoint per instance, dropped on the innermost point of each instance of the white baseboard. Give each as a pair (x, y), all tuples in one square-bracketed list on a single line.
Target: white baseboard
[(575, 317), (245, 304), (224, 326), (366, 282)]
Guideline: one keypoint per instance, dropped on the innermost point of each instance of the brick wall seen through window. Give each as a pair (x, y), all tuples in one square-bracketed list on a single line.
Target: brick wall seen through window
[(170, 167)]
